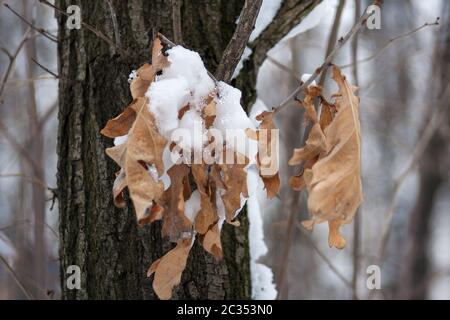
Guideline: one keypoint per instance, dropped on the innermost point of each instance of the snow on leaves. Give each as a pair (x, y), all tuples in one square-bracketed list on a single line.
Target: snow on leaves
[(331, 160), (175, 108)]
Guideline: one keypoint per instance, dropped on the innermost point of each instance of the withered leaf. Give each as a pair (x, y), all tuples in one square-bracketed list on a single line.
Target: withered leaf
[(207, 215), (168, 269), (211, 241), (142, 151), (266, 155), (176, 225), (121, 124), (333, 181)]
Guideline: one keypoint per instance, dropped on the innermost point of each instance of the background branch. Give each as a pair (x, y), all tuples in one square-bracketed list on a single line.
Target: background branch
[(290, 14), (238, 42)]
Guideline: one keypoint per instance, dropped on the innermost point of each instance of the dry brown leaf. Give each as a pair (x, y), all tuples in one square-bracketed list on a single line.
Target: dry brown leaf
[(145, 75), (209, 112), (334, 180), (142, 151), (235, 180), (120, 125), (264, 159), (175, 224), (207, 215), (168, 269), (211, 241), (139, 85)]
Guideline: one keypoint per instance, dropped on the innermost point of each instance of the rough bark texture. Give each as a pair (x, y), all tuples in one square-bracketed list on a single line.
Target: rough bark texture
[(111, 250)]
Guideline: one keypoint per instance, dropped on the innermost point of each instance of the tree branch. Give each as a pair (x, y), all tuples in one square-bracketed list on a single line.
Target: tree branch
[(435, 121), (176, 21), (238, 42), (45, 68), (333, 37), (98, 33), (390, 42), (358, 25), (290, 14), (40, 30)]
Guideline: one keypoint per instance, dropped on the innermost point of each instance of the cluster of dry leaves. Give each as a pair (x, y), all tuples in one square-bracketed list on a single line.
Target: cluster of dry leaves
[(330, 160), (141, 161)]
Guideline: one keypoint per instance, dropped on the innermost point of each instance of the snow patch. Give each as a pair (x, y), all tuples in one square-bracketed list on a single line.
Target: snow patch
[(263, 287)]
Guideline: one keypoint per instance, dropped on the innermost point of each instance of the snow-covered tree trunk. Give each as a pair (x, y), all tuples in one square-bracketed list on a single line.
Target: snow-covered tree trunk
[(112, 251)]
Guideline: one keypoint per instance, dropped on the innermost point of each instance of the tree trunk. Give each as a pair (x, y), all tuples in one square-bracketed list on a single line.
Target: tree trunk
[(112, 251), (433, 171)]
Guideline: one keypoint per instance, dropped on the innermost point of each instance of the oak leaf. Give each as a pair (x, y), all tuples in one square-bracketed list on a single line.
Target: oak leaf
[(168, 269), (333, 180)]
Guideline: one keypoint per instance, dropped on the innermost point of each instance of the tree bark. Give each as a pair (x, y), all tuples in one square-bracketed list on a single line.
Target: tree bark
[(105, 242)]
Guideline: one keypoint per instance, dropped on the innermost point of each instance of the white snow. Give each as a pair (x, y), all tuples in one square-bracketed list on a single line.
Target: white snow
[(132, 76), (324, 9), (188, 65), (267, 12), (195, 137), (247, 52), (192, 206), (120, 140), (305, 78), (231, 115), (263, 287), (258, 107), (166, 98)]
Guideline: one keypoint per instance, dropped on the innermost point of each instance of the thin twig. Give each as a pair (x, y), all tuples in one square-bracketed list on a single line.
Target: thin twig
[(284, 68), (12, 60), (327, 261), (16, 278), (45, 69), (18, 148), (40, 30), (357, 218), (435, 121), (333, 37), (390, 42), (176, 21), (358, 25), (114, 23), (239, 40), (98, 33), (27, 221), (30, 179), (282, 274)]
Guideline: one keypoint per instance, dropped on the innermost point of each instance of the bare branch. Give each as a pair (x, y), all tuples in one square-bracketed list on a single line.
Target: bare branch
[(176, 21), (114, 23), (16, 278), (32, 26), (324, 257), (12, 59), (89, 27), (45, 69), (358, 25), (357, 217), (290, 14), (238, 42), (390, 42), (435, 121), (18, 148), (333, 37)]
